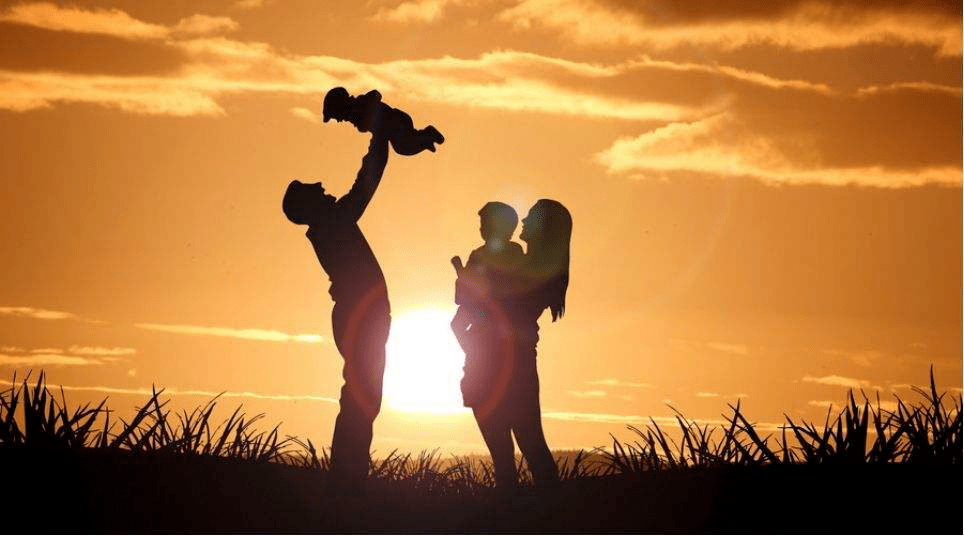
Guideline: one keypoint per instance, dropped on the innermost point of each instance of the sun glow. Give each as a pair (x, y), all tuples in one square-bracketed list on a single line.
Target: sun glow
[(423, 364)]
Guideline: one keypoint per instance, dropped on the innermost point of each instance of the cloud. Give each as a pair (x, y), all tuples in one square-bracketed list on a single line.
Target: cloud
[(705, 394), (592, 417), (861, 358), (306, 114), (806, 26), (33, 312), (218, 66), (76, 355), (253, 334), (839, 381), (143, 391), (249, 4), (414, 11), (204, 25), (613, 382), (112, 22), (48, 359), (885, 405), (101, 351), (926, 87), (146, 95), (721, 146), (611, 418), (588, 394), (742, 75), (504, 80), (728, 348)]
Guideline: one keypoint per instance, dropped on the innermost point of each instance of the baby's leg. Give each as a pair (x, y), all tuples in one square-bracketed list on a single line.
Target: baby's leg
[(412, 142)]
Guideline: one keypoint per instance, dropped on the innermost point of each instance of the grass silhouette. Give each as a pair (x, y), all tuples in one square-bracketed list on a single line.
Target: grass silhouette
[(165, 471)]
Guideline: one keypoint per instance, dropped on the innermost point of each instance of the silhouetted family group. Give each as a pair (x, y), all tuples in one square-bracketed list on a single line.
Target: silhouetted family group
[(501, 292)]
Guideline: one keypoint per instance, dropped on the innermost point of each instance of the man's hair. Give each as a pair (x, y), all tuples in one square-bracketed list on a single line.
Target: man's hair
[(293, 202), (502, 218)]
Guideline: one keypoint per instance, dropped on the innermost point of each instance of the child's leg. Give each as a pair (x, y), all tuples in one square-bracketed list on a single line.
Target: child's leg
[(415, 141)]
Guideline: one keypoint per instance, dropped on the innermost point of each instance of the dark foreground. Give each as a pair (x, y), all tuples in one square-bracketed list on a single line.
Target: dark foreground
[(90, 491)]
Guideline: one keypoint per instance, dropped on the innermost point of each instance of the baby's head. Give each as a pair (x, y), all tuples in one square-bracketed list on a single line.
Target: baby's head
[(497, 221), (337, 106)]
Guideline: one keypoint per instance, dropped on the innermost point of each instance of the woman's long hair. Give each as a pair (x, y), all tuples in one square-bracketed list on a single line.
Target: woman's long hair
[(549, 252)]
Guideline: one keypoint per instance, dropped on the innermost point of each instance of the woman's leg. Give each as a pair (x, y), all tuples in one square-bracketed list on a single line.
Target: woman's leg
[(495, 431), (526, 423)]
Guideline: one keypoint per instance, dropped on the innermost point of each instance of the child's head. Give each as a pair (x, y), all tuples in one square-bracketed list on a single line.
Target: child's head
[(337, 105), (497, 221)]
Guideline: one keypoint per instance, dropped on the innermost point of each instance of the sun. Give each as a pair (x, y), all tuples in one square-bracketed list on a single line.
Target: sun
[(423, 364)]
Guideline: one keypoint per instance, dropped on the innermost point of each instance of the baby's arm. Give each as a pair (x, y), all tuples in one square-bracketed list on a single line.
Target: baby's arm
[(457, 264)]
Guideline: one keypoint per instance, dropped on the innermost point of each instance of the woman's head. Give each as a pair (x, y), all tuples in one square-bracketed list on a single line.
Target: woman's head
[(547, 230)]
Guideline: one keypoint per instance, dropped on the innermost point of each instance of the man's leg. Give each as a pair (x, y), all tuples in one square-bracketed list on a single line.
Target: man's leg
[(362, 344)]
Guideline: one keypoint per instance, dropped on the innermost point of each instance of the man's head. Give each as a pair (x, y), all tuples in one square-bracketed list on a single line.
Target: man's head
[(497, 221), (337, 106), (305, 204)]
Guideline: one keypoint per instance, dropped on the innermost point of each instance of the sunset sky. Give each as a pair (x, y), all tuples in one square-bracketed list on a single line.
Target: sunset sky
[(766, 201)]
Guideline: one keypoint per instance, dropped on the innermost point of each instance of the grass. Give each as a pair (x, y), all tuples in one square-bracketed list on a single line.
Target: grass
[(701, 466)]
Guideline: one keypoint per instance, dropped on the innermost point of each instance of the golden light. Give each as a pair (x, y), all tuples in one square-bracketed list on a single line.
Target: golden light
[(423, 364)]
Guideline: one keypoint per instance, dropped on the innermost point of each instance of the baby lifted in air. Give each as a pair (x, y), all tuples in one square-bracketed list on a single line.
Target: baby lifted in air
[(369, 114)]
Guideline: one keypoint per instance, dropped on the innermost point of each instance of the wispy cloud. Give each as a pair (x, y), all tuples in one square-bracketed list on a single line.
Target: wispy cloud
[(721, 146), (76, 355), (414, 11), (218, 66), (742, 75), (927, 87), (205, 25), (143, 391), (101, 350), (706, 394), (808, 26), (253, 334), (612, 418), (587, 394), (506, 80), (33, 312), (113, 22), (729, 348), (48, 359), (863, 358), (682, 345), (306, 114), (839, 381), (613, 382), (148, 95), (249, 4), (885, 405)]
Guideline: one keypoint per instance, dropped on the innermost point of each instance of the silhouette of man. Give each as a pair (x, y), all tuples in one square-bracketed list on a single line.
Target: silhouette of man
[(361, 315)]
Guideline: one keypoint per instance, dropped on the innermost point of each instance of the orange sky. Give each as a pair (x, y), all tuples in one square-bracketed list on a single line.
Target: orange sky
[(766, 198)]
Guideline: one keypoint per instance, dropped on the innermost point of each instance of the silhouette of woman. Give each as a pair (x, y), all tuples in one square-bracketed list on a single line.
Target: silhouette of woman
[(512, 405)]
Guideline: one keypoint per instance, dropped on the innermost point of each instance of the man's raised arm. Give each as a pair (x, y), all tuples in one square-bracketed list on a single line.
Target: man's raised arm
[(370, 174)]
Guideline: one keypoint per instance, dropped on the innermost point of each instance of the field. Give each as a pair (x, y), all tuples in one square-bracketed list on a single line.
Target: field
[(864, 470)]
